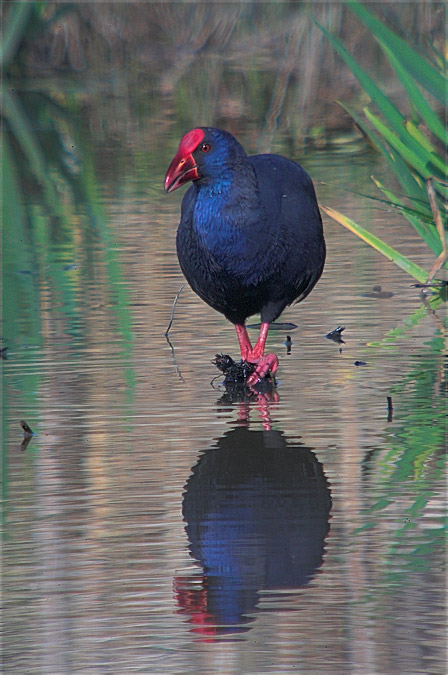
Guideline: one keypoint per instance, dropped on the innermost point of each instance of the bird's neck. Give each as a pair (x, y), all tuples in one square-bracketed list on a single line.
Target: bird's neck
[(225, 207)]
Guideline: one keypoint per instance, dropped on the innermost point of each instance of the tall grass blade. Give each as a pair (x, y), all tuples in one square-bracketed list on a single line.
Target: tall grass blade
[(413, 188), (394, 202), (376, 141), (412, 156), (416, 98), (426, 230), (395, 256), (426, 145), (422, 165), (430, 78), (390, 112), (13, 30)]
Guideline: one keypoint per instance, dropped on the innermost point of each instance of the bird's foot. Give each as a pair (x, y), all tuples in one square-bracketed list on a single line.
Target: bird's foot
[(264, 365)]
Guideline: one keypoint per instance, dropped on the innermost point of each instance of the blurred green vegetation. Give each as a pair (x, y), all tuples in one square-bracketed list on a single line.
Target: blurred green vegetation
[(52, 212)]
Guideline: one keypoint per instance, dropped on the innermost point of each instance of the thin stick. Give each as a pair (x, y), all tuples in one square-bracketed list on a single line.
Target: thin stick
[(168, 330), (27, 431), (28, 434), (390, 409), (173, 308)]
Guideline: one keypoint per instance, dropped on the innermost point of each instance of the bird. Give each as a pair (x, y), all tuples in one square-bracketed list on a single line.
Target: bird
[(250, 239)]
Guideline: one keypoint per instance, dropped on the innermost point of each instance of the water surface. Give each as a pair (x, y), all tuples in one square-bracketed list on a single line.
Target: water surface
[(155, 523)]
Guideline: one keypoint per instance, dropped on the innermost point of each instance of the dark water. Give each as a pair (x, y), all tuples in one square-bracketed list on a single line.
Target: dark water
[(155, 523)]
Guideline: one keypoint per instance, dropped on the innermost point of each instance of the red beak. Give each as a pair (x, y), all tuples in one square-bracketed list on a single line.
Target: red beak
[(182, 169)]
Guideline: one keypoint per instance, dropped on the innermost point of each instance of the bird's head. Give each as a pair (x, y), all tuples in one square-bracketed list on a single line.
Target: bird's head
[(204, 153)]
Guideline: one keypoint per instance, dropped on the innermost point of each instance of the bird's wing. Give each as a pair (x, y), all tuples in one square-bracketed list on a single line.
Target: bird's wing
[(286, 191), (294, 224)]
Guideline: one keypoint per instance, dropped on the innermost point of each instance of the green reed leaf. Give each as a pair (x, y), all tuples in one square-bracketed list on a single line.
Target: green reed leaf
[(426, 74), (416, 98), (394, 118), (426, 230), (395, 256), (418, 161)]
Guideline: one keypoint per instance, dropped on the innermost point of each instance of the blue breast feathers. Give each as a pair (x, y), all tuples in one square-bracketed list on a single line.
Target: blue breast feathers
[(222, 224)]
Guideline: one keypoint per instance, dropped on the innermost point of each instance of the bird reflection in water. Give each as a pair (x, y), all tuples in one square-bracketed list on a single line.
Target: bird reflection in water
[(262, 397), (257, 511)]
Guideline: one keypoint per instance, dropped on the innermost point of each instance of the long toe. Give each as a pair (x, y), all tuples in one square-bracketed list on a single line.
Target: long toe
[(267, 364)]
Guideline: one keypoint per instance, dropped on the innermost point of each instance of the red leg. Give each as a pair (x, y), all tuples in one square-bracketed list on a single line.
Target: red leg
[(265, 364), (258, 350), (243, 339)]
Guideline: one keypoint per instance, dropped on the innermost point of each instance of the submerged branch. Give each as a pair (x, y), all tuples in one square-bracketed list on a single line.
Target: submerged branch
[(172, 310)]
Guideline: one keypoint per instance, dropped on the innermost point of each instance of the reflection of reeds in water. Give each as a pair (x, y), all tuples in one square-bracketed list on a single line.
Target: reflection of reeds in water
[(51, 202)]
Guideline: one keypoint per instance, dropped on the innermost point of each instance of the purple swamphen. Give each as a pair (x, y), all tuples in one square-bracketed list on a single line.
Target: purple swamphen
[(250, 238)]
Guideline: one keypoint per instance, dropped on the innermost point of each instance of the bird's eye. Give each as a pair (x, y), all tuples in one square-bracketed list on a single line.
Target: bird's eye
[(205, 147)]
